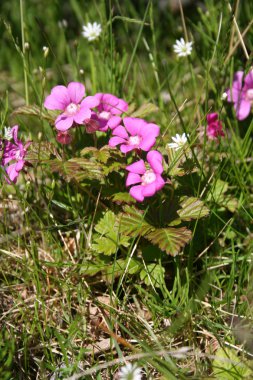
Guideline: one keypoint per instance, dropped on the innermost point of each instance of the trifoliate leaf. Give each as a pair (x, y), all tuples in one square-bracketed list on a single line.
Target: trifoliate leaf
[(33, 110), (106, 224), (192, 208), (132, 222), (228, 366), (153, 274), (171, 240)]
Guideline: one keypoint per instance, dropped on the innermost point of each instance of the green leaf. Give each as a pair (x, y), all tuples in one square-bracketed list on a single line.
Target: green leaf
[(33, 110), (218, 190), (132, 223), (144, 110), (109, 239), (77, 169), (153, 274), (123, 197), (228, 366), (171, 240), (192, 208), (106, 223), (41, 151)]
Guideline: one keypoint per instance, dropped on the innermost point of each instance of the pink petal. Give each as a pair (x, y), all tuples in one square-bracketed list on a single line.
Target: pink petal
[(12, 173), (147, 143), (159, 182), (83, 114), (136, 193), (149, 190), (19, 165), (58, 99), (150, 129), (137, 167), (134, 125), (76, 91), (14, 131), (63, 122), (238, 78), (90, 102), (116, 140), (155, 160), (121, 107), (120, 131), (107, 102), (132, 179), (248, 80), (235, 94), (242, 109), (127, 148), (114, 121), (211, 117)]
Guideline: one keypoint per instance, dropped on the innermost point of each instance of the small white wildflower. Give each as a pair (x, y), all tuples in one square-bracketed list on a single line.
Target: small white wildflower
[(81, 71), (182, 48), (130, 372), (224, 96), (26, 46), (91, 31), (165, 96), (179, 141), (7, 133)]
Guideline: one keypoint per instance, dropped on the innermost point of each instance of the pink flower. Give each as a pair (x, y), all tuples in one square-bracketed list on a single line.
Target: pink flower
[(241, 94), (108, 111), (137, 134), (69, 100), (149, 177), (14, 152), (214, 127)]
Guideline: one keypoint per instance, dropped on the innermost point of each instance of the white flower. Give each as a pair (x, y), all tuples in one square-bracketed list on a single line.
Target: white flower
[(7, 133), (91, 31), (130, 372), (165, 96), (179, 141), (182, 48), (224, 96)]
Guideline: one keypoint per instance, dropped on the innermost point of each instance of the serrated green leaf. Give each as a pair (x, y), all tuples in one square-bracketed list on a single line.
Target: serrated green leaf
[(106, 223), (33, 110), (41, 151), (132, 223), (217, 192), (171, 240), (192, 208), (123, 197), (228, 366), (104, 245), (77, 168), (153, 274), (144, 110)]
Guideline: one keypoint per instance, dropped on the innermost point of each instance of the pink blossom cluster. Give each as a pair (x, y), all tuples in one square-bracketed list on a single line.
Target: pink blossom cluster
[(103, 112), (13, 155), (214, 127)]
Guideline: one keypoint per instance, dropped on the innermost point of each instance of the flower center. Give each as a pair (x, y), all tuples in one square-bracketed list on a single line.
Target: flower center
[(105, 115), (134, 140), (249, 95), (148, 177), (71, 109)]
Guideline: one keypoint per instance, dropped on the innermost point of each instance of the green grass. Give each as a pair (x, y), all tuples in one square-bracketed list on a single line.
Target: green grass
[(65, 308)]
